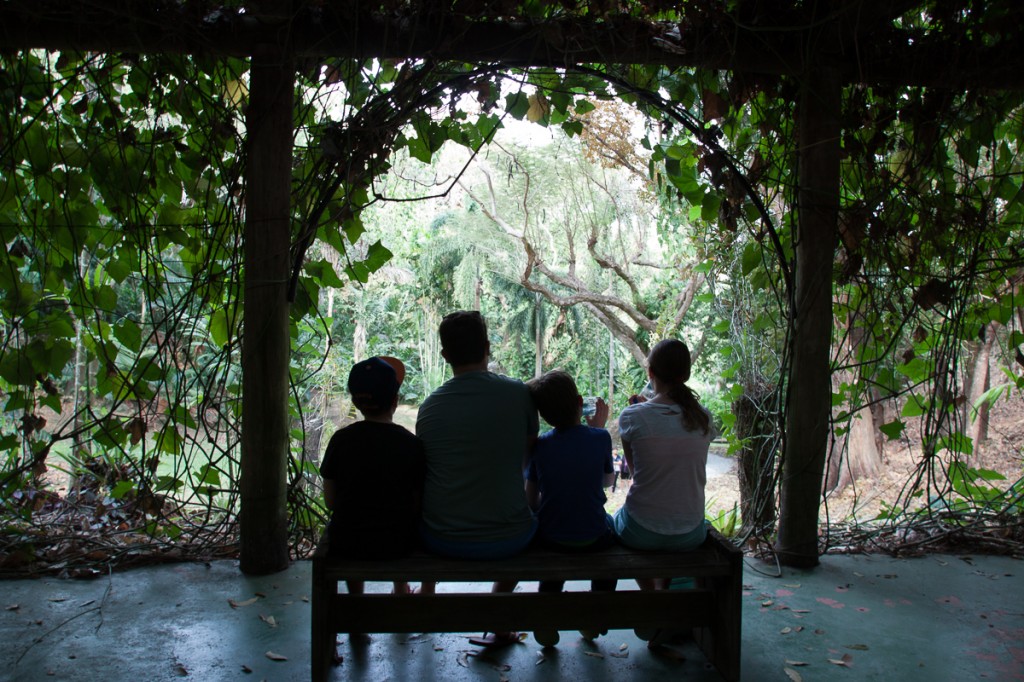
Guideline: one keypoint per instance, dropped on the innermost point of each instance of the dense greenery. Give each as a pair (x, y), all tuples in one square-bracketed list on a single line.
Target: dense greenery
[(121, 209)]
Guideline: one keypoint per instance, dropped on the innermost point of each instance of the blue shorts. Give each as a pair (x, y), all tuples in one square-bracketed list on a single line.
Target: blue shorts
[(496, 549), (632, 534)]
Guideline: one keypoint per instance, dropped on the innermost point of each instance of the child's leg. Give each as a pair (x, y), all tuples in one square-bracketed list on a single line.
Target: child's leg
[(428, 588), (400, 587), (354, 586)]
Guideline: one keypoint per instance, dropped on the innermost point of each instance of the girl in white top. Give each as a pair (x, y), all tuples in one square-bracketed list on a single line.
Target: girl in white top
[(665, 443)]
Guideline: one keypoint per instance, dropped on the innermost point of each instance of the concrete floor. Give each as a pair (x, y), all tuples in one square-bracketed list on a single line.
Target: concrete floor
[(933, 618)]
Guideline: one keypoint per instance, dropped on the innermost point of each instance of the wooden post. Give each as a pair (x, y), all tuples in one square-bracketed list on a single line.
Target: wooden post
[(809, 402), (266, 341)]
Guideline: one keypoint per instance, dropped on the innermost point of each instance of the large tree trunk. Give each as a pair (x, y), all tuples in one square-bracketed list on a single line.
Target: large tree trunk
[(810, 389), (757, 426), (266, 342)]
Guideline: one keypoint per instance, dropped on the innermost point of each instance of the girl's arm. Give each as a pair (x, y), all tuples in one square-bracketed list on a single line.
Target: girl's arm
[(627, 454)]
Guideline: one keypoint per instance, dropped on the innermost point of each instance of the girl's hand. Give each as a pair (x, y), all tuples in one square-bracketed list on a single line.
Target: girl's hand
[(600, 416), (636, 399)]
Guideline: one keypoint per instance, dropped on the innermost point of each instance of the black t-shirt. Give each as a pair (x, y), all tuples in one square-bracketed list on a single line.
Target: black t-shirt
[(378, 471)]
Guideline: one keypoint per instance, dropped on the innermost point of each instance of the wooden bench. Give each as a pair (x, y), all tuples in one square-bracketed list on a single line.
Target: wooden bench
[(711, 609)]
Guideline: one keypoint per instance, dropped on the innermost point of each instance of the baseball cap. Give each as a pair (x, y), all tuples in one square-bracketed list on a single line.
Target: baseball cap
[(374, 382)]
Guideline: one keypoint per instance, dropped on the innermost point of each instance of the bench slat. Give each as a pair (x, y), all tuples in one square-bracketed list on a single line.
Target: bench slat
[(521, 611)]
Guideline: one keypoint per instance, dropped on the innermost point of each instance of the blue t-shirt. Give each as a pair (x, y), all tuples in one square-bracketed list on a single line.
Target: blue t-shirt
[(569, 467)]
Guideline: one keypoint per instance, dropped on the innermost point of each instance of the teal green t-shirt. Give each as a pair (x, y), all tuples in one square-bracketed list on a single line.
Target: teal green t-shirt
[(476, 429)]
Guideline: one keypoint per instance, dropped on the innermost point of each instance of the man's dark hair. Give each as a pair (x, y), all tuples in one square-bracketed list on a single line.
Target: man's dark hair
[(463, 337), (556, 398)]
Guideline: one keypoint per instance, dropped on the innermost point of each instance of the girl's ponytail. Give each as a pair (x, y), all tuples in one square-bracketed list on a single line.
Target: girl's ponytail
[(669, 361)]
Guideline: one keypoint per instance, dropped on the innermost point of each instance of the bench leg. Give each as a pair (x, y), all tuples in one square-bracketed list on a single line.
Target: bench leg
[(323, 639), (720, 641)]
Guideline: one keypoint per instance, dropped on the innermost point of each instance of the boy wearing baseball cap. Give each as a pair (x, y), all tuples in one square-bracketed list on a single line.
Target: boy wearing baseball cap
[(373, 472)]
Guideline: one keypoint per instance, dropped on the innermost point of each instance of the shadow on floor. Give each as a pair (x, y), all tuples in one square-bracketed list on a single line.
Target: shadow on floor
[(938, 617)]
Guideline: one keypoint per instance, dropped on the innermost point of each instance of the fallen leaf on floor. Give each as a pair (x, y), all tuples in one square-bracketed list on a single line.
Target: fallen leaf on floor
[(246, 669), (857, 647), (502, 668), (819, 631), (801, 610), (594, 654), (619, 654), (276, 657), (785, 631), (13, 607), (304, 598), (798, 628), (463, 659), (438, 648), (767, 602), (260, 594), (239, 604), (57, 599), (793, 675), (540, 658), (623, 646), (796, 664), (180, 670), (845, 661), (269, 620), (793, 585)]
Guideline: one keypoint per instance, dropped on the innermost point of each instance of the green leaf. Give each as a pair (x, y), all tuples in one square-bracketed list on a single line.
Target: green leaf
[(517, 104), (914, 407), (208, 475), (751, 258), (893, 429), (377, 256), (122, 488), (128, 333)]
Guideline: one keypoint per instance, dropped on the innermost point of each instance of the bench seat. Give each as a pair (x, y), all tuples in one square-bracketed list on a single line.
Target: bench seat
[(711, 609)]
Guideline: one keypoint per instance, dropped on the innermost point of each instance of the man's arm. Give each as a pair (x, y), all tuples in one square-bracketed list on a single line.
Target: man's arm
[(330, 491)]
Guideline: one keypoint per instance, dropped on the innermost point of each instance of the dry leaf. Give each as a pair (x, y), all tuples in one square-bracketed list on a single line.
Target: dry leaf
[(844, 661), (269, 620), (14, 607), (801, 610), (623, 646), (785, 631), (857, 647), (463, 659), (595, 654), (540, 658), (503, 668), (276, 657), (247, 602), (796, 664), (767, 602), (260, 594), (304, 598), (619, 654), (246, 669), (793, 675), (181, 670)]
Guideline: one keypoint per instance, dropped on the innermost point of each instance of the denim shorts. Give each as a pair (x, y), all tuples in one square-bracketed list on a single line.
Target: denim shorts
[(632, 534)]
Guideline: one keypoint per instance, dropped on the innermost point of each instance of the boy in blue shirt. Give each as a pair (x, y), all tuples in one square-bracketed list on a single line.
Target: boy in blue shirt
[(565, 481)]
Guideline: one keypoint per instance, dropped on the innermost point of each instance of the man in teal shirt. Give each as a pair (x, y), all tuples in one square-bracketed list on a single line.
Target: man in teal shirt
[(477, 429)]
